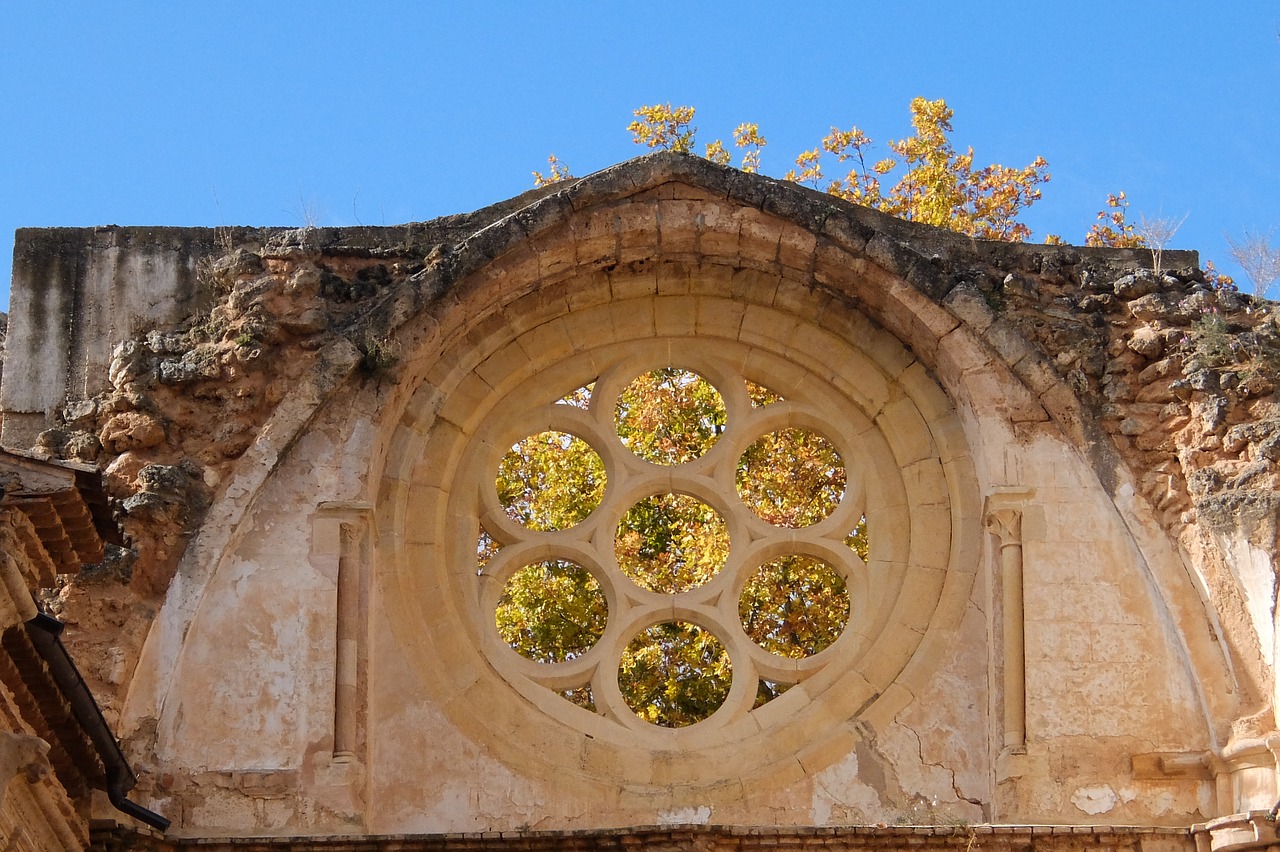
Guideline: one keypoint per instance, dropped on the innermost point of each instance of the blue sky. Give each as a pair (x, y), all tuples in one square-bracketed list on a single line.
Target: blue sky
[(270, 113)]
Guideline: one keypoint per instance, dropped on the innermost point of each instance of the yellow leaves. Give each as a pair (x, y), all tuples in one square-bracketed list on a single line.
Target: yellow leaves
[(559, 172), (838, 142), (931, 119), (939, 186), (810, 168), (663, 126), (748, 136), (924, 180), (860, 185), (716, 153)]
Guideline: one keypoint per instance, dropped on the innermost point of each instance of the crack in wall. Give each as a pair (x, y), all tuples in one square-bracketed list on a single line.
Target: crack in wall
[(955, 786)]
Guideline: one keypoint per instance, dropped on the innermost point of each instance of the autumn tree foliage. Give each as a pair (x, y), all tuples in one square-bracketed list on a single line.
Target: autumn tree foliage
[(925, 180), (1113, 228), (937, 184)]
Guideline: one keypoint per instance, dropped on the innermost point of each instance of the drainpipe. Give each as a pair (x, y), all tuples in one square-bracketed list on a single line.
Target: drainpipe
[(43, 631)]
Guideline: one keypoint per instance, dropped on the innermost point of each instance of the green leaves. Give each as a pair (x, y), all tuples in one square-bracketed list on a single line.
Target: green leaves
[(675, 674), (552, 611), (670, 543), (795, 606), (550, 481), (791, 477)]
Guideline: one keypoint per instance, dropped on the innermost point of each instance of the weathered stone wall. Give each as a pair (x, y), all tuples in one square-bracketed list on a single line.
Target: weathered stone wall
[(1067, 613)]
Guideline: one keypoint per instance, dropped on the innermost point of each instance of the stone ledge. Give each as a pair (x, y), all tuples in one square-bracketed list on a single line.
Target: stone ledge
[(711, 838)]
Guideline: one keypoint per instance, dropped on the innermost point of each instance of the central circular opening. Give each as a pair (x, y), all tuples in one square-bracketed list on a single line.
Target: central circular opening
[(670, 543)]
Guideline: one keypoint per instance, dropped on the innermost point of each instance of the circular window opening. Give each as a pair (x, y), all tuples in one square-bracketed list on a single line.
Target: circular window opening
[(551, 611), (791, 477), (669, 416), (675, 674), (670, 543), (794, 607), (550, 481)]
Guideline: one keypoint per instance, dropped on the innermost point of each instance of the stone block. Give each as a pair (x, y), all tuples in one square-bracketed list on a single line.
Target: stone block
[(758, 239), (674, 316), (632, 284), (970, 306), (907, 432), (718, 316), (597, 238), (796, 248), (675, 279), (678, 227)]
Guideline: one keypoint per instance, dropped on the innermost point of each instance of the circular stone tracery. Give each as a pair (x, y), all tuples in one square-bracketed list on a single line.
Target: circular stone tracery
[(893, 432), (674, 551)]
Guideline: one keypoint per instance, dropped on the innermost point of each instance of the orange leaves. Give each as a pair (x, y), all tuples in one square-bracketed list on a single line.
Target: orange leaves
[(941, 187), (1112, 230)]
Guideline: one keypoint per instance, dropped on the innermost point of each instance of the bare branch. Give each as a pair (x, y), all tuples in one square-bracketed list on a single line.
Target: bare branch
[(1157, 231), (1259, 260)]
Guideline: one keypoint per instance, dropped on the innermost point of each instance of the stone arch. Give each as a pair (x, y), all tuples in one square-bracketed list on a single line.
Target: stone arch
[(922, 505)]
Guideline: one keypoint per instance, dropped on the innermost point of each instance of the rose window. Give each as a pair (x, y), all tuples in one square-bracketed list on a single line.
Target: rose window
[(664, 545)]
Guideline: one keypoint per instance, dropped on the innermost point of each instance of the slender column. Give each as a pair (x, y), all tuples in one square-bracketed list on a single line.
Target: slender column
[(348, 656), (340, 543), (1006, 524)]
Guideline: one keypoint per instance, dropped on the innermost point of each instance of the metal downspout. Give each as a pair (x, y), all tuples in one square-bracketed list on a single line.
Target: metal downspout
[(43, 631)]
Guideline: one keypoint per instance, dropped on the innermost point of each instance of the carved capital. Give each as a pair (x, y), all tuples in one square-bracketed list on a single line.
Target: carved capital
[(1006, 524)]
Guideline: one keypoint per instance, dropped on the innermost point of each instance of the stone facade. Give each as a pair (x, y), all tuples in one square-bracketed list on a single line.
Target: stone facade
[(1066, 463)]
